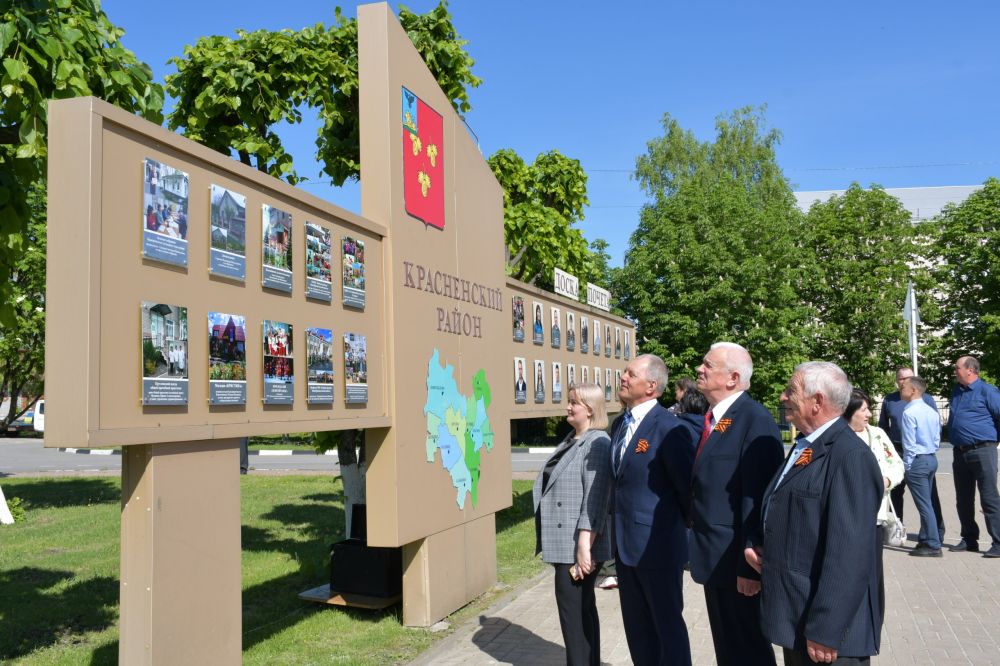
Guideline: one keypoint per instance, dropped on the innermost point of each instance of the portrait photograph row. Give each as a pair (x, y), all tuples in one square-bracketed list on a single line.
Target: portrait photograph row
[(563, 330), (166, 233), (560, 378)]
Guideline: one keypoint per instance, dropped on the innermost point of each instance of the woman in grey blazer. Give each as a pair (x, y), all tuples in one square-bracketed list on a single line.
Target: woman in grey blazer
[(571, 497)]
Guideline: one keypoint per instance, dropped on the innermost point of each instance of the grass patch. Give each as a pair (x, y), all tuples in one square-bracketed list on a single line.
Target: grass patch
[(300, 441), (59, 575)]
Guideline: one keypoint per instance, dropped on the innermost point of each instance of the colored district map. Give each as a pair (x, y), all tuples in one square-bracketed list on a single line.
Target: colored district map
[(457, 426)]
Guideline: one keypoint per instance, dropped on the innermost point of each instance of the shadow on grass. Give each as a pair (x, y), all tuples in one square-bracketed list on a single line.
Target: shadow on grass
[(31, 618), (62, 492), (106, 655), (520, 510)]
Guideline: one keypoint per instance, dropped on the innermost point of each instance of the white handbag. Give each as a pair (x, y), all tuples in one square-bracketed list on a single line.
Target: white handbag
[(893, 531)]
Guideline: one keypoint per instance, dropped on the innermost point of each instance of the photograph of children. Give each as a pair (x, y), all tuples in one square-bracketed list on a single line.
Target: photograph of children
[(556, 330), (517, 308), (227, 358), (319, 279), (539, 381), (628, 350), (353, 251), (537, 328), (584, 374), (597, 338), (607, 340), (607, 384), (228, 231), (556, 382), (279, 366), (570, 375), (164, 354), (277, 242), (618, 342), (520, 384), (164, 213), (570, 332), (584, 334), (355, 368)]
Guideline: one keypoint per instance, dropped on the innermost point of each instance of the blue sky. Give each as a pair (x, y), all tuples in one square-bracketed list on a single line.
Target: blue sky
[(898, 94)]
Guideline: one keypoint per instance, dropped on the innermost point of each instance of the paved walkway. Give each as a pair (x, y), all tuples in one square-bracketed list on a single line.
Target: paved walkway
[(938, 611)]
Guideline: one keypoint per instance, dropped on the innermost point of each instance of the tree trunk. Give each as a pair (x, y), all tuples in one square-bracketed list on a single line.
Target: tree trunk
[(352, 472)]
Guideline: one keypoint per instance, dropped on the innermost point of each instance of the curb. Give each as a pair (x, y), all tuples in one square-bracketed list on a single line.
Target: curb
[(118, 452)]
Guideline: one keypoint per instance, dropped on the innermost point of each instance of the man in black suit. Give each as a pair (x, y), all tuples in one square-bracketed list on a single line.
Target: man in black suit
[(652, 452), (819, 554), (738, 453)]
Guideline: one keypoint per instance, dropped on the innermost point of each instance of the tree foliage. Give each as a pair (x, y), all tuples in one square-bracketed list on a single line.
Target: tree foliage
[(232, 92), (716, 255), (53, 49), (966, 269), (862, 250), (542, 202)]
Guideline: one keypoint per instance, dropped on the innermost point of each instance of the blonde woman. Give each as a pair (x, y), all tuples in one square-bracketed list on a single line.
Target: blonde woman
[(571, 497), (859, 415)]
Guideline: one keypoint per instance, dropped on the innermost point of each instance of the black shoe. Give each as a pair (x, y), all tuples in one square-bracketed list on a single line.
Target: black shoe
[(926, 551), (964, 546), (992, 552)]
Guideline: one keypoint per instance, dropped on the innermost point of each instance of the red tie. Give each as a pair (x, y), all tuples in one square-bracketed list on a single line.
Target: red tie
[(706, 430)]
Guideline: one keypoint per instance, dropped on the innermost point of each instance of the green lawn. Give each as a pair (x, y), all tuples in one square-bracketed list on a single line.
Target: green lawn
[(59, 575)]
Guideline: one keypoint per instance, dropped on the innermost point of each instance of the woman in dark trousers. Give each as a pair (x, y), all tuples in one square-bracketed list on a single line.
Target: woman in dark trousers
[(571, 497)]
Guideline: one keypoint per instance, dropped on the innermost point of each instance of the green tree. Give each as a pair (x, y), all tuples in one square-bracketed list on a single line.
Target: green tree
[(716, 255), (231, 92), (542, 202), (864, 252), (966, 269), (53, 49)]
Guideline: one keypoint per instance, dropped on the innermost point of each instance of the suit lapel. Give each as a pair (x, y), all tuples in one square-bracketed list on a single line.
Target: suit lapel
[(819, 449), (642, 432), (567, 457), (715, 438)]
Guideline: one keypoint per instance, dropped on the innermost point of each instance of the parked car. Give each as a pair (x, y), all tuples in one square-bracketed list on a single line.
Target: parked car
[(23, 424), (39, 419)]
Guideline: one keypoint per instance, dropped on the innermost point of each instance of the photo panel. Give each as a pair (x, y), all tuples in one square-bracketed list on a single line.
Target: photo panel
[(584, 374), (164, 213), (557, 384), (164, 345), (319, 359), (570, 332), (555, 329), (607, 340), (584, 334), (537, 327), (539, 381), (618, 342), (520, 382), (227, 359), (277, 249), (628, 349), (618, 381), (598, 377), (319, 253), (570, 375), (279, 365), (607, 384), (597, 337), (227, 233), (353, 258), (355, 369), (517, 308)]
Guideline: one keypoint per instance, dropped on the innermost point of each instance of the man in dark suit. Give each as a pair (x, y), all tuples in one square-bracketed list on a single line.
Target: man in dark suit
[(652, 452), (819, 555), (738, 453)]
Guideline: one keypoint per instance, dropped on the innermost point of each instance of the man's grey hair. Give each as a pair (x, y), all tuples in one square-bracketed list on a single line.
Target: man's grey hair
[(737, 360), (970, 363), (656, 371), (826, 378)]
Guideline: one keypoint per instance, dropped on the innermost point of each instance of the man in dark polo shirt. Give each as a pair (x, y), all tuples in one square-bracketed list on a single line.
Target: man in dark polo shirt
[(972, 430), (889, 419)]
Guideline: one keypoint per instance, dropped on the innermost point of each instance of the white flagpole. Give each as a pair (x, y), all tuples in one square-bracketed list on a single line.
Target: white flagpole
[(911, 315)]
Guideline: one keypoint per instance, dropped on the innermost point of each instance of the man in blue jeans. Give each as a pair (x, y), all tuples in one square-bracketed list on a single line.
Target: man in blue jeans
[(921, 428), (972, 429)]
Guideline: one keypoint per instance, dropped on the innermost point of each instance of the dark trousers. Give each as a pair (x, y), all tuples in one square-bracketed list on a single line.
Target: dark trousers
[(652, 601), (735, 621), (896, 496), (793, 658), (974, 468), (920, 476), (581, 626)]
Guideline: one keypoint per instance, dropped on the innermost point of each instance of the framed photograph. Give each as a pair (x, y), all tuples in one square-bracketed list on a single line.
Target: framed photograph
[(570, 332), (319, 360), (319, 280), (607, 384), (164, 359), (555, 330), (227, 233), (539, 381), (628, 349), (164, 213), (279, 364), (584, 374), (520, 383), (557, 386), (597, 338), (355, 369), (618, 381), (277, 249), (618, 342), (607, 340), (598, 377), (570, 375), (584, 334), (227, 359), (517, 310), (353, 251), (537, 328)]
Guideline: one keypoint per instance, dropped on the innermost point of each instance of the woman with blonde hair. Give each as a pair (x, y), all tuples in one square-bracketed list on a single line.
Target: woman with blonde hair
[(571, 496)]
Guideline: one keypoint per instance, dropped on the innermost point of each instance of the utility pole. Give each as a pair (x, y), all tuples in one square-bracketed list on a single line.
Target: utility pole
[(912, 316)]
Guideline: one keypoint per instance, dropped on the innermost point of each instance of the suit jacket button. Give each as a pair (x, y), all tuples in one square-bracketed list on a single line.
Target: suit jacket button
[(558, 524), (558, 503)]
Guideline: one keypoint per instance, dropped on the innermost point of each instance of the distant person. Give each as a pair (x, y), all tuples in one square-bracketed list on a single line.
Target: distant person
[(921, 439), (859, 416), (681, 386), (973, 424), (571, 496)]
